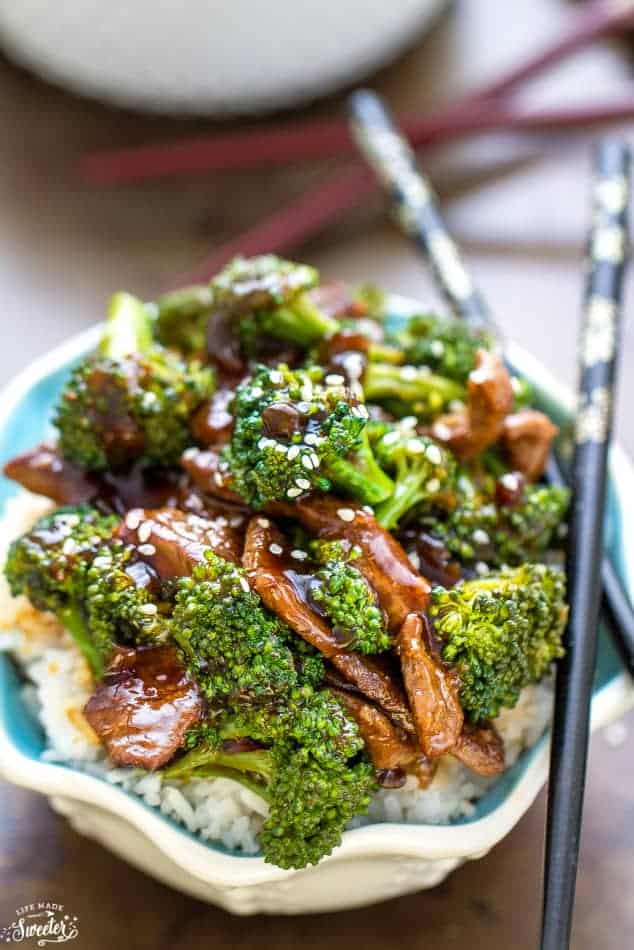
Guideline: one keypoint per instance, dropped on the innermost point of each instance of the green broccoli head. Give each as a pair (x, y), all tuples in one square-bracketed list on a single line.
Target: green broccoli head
[(480, 530), (132, 400), (296, 431), (411, 390), (501, 632), (50, 565), (447, 345), (307, 762), (341, 593), (121, 600), (236, 649), (424, 472)]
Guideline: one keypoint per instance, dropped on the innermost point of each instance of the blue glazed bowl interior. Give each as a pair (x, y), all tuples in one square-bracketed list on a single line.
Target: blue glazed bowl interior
[(29, 423)]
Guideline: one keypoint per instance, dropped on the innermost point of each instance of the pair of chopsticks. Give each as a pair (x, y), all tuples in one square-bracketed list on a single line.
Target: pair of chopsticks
[(484, 109), (417, 211)]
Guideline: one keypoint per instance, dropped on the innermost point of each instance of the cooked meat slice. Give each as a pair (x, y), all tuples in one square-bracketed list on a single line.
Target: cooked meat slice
[(391, 778), (172, 542), (212, 423), (144, 706), (43, 470), (223, 343), (432, 691), (480, 748), (209, 473), (527, 437), (283, 588), (430, 556), (387, 747), (489, 400), (400, 589)]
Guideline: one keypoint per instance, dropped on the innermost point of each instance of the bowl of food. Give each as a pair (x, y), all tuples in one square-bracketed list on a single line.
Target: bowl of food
[(284, 588), (206, 57)]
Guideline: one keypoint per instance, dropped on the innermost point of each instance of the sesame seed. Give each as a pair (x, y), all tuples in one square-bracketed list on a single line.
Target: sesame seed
[(456, 405), (144, 532), (218, 478), (368, 510), (146, 549), (510, 481), (424, 370), (416, 446), (244, 584), (408, 422), (133, 520), (101, 562), (442, 431), (280, 448), (299, 555), (408, 373), (334, 379), (414, 559), (69, 546), (480, 537), (257, 392), (346, 514), (307, 462), (315, 460), (276, 377), (354, 365), (72, 520), (433, 486), (276, 548), (302, 483), (148, 609), (195, 502), (264, 522), (293, 452), (434, 454), (306, 391), (190, 453), (391, 437), (304, 406), (310, 439), (294, 492), (362, 412), (482, 568), (221, 521), (237, 521), (437, 348)]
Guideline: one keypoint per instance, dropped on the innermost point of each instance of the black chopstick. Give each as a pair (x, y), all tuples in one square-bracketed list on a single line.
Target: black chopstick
[(607, 252), (417, 212)]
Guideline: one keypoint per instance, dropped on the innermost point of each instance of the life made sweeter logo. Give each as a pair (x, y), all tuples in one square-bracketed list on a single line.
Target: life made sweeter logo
[(39, 924)]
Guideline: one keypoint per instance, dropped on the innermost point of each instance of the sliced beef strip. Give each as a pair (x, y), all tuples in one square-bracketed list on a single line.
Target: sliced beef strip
[(144, 706), (43, 470), (401, 590), (480, 748), (432, 690), (212, 423), (527, 438), (210, 474), (489, 401), (278, 580), (172, 542), (387, 747)]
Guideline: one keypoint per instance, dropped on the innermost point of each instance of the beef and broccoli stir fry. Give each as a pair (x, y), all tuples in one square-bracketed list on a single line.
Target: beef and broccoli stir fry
[(299, 547)]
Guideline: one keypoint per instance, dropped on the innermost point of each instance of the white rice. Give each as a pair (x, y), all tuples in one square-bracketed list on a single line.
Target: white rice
[(59, 684)]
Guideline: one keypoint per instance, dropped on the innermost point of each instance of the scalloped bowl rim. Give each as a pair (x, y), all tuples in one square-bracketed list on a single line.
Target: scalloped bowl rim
[(392, 839)]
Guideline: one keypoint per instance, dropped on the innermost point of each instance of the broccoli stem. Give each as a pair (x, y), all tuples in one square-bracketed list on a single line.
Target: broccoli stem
[(410, 385), (299, 322), (407, 493), (360, 475), (128, 328), (243, 767), (71, 618)]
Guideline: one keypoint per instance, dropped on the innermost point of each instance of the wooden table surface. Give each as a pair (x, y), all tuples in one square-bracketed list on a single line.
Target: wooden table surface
[(520, 208)]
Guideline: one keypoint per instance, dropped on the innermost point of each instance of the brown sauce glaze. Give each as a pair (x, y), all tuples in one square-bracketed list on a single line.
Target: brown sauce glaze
[(434, 561), (210, 474), (144, 706), (527, 438), (481, 749), (212, 423), (387, 747), (43, 470)]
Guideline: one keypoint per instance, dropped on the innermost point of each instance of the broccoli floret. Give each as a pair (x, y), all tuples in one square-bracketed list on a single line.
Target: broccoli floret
[(121, 608), (447, 345), (294, 433), (311, 770), (132, 400), (501, 632), (423, 471), (340, 592), (410, 390), (50, 565), (234, 648), (480, 530), (181, 317)]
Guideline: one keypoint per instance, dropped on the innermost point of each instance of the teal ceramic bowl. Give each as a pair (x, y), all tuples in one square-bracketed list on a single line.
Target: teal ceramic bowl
[(374, 862)]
